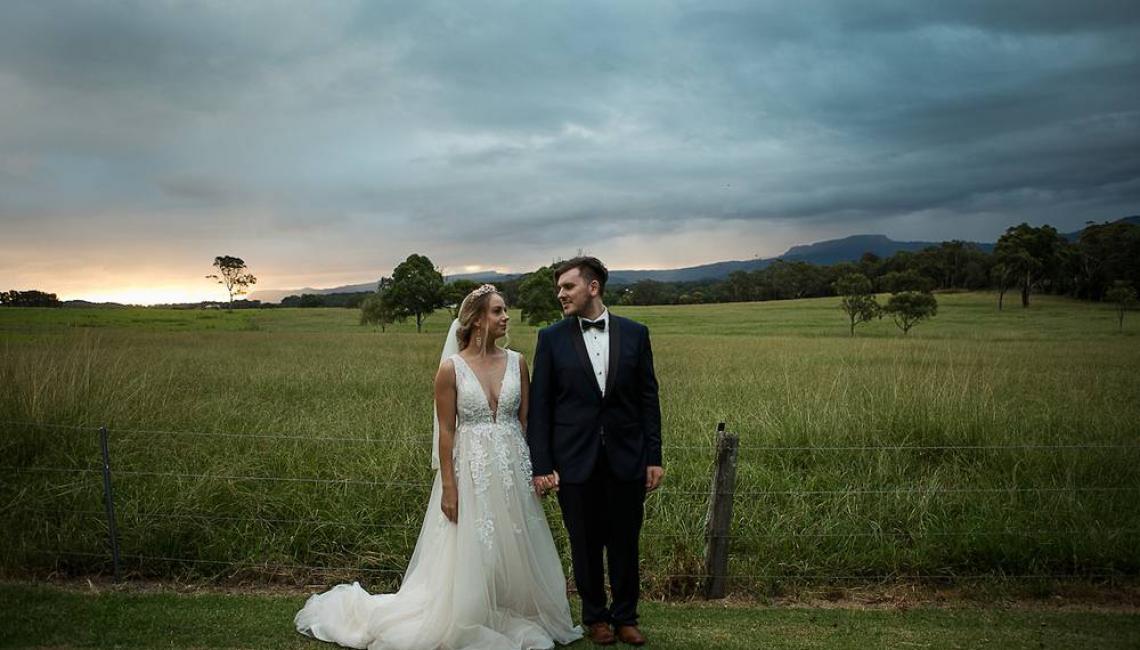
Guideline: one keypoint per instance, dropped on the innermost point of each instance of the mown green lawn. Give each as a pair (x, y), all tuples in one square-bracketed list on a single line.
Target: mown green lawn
[(50, 617)]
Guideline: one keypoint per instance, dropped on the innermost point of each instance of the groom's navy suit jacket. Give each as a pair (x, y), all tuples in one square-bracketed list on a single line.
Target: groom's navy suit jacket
[(570, 424)]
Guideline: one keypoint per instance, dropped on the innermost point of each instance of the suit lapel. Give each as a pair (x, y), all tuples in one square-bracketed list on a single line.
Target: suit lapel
[(583, 355), (615, 354)]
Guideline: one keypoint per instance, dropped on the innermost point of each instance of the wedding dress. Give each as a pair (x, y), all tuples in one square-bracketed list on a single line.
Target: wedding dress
[(491, 581)]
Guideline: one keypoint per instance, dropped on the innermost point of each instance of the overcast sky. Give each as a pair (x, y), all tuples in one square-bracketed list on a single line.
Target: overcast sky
[(323, 142)]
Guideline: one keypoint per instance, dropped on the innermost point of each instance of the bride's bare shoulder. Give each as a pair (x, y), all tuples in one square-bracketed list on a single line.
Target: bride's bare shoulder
[(446, 373)]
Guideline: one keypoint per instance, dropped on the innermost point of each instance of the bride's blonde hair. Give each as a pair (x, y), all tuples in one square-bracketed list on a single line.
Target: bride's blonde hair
[(474, 305)]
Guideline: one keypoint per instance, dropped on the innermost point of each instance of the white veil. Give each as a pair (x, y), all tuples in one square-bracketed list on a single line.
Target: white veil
[(450, 347)]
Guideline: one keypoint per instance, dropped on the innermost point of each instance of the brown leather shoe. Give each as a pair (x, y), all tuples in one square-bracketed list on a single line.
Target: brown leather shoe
[(601, 634), (630, 634)]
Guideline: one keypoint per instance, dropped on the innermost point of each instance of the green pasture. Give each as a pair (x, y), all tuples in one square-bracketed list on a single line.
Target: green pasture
[(1019, 432)]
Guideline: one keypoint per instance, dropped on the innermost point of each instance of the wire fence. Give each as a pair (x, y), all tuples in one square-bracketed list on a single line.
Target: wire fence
[(707, 448), (697, 534), (1034, 532), (660, 491), (704, 494)]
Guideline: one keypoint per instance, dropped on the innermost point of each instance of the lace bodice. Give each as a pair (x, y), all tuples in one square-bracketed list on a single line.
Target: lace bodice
[(471, 400), (490, 448)]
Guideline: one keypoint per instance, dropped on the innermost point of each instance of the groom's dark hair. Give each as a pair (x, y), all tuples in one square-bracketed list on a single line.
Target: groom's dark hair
[(591, 269)]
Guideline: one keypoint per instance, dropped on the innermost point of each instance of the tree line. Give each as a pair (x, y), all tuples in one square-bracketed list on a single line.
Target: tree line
[(30, 298), (1103, 263), (1026, 259), (350, 300)]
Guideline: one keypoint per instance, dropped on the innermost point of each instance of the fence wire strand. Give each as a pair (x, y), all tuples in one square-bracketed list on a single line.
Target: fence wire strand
[(659, 491), (268, 520), (227, 477), (709, 447), (695, 535)]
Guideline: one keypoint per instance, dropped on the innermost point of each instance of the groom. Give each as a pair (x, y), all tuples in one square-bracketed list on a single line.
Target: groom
[(594, 431)]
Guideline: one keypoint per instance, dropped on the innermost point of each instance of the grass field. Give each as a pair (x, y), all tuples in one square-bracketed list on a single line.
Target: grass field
[(825, 494), (46, 617)]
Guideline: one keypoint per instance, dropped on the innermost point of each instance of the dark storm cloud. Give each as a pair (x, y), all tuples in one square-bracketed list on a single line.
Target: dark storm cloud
[(535, 120)]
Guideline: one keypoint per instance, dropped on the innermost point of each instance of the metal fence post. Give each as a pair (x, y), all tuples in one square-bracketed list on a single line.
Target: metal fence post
[(109, 502), (720, 513)]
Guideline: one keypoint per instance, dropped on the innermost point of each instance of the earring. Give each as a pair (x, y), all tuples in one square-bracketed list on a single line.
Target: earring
[(479, 341)]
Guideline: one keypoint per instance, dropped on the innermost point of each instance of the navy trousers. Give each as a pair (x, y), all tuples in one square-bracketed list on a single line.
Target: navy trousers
[(605, 515)]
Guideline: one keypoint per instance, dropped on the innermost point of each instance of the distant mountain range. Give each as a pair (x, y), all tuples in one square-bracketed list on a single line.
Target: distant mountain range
[(832, 251), (825, 252)]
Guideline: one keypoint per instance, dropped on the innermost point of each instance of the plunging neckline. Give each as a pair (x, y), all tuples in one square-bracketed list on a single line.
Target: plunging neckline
[(486, 397)]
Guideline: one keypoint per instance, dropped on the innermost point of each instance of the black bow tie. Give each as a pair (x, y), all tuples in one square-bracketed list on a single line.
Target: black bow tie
[(600, 324)]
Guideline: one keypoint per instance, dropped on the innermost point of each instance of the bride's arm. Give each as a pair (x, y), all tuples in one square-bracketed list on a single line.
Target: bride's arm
[(524, 380), (445, 411)]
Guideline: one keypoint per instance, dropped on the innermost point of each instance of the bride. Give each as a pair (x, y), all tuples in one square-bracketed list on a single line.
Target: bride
[(485, 573)]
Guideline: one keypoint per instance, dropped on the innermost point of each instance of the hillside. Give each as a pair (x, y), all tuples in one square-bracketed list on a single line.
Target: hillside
[(831, 251)]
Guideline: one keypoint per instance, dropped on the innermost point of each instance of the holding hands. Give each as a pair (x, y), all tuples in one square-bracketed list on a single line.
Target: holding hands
[(545, 483)]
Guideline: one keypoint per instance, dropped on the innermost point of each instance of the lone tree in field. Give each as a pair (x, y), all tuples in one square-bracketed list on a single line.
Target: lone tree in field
[(416, 290), (910, 308), (1123, 296), (232, 275), (538, 297), (376, 308), (857, 300)]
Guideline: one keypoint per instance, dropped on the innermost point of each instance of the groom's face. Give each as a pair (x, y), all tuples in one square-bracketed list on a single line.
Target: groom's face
[(574, 293)]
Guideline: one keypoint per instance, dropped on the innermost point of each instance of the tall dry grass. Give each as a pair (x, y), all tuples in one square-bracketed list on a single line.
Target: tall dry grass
[(823, 488)]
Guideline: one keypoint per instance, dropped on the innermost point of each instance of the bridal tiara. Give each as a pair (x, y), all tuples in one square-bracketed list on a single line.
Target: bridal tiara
[(486, 288)]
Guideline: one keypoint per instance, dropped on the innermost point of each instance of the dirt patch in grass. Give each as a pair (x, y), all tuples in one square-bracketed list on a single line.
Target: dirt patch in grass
[(1116, 597)]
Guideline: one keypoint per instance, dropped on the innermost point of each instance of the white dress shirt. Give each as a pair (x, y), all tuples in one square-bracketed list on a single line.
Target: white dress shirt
[(598, 348)]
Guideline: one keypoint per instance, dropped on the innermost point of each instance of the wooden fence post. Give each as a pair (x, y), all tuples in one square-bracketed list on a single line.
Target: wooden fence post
[(720, 513)]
